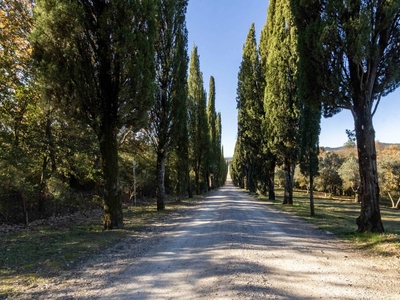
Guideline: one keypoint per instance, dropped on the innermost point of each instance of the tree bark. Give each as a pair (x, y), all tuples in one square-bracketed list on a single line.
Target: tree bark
[(197, 181), (312, 210), (242, 177), (160, 180), (288, 195), (189, 186), (45, 175), (252, 183), (113, 216), (370, 217), (271, 182), (43, 184)]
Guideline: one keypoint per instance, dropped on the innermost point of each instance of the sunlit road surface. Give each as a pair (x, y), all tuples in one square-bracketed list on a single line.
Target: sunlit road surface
[(235, 247)]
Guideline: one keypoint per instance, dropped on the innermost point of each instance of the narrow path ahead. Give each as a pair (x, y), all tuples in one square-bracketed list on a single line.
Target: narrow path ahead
[(234, 247)]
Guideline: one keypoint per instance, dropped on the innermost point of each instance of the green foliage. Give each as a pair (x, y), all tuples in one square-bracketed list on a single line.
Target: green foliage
[(70, 114), (38, 145), (222, 166), (214, 152), (68, 47), (300, 181), (389, 174), (236, 172), (171, 92), (198, 124), (96, 61), (250, 92), (19, 100), (328, 179), (281, 101), (16, 74), (309, 145), (353, 47), (349, 173), (280, 177)]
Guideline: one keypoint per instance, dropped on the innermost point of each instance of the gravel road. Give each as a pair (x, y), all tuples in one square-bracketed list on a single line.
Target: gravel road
[(231, 247)]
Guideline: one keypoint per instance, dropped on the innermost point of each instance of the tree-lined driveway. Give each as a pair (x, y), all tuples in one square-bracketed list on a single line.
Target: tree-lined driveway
[(234, 247)]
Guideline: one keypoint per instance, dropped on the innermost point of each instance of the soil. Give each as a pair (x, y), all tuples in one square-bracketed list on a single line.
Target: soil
[(229, 246)]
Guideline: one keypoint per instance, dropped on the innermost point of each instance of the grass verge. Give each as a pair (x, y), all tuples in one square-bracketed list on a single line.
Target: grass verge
[(338, 216), (33, 256)]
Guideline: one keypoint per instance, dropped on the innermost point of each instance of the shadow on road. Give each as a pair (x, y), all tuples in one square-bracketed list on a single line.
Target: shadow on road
[(230, 247)]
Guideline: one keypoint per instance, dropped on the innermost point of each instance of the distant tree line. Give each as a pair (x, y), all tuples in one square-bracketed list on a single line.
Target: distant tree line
[(88, 87), (315, 58), (339, 173)]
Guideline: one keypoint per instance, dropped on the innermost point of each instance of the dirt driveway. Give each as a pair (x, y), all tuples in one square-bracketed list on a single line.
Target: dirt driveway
[(230, 247)]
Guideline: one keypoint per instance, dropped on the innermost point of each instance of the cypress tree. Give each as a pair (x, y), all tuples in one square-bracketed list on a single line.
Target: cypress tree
[(212, 126), (353, 48), (236, 167), (268, 158), (221, 168), (281, 102), (250, 92), (96, 61), (170, 95), (308, 91), (309, 147), (197, 123)]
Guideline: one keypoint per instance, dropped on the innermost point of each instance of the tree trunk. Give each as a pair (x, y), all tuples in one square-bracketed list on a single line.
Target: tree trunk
[(247, 179), (312, 210), (160, 180), (43, 184), (189, 186), (271, 182), (45, 175), (252, 182), (113, 216), (288, 195), (197, 181), (370, 217), (242, 177)]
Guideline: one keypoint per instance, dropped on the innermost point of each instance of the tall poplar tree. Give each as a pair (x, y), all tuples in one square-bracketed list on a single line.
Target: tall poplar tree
[(281, 102), (181, 155), (354, 48), (250, 93), (96, 60), (171, 79), (197, 123)]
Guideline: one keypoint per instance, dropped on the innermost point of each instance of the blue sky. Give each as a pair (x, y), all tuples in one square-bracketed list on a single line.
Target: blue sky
[(219, 29)]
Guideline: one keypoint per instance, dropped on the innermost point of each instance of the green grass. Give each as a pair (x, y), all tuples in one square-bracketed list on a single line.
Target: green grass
[(39, 254), (338, 216)]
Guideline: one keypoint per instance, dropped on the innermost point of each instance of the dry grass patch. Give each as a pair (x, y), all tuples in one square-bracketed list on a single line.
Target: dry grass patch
[(338, 215), (38, 254)]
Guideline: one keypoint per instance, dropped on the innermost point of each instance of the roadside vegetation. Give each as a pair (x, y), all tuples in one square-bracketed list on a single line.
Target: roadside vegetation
[(336, 215), (32, 256)]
